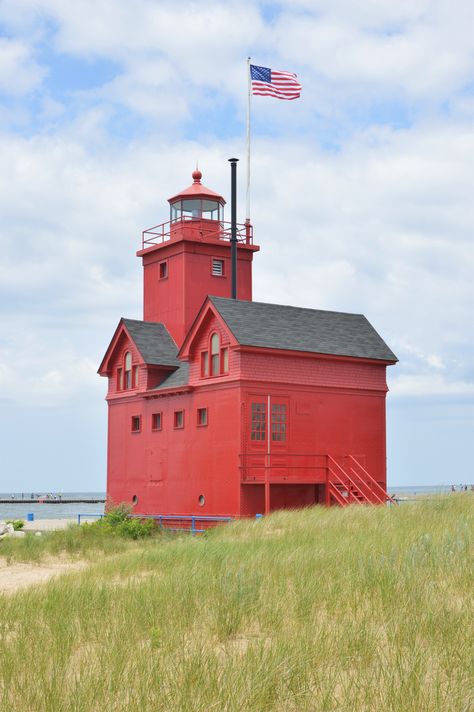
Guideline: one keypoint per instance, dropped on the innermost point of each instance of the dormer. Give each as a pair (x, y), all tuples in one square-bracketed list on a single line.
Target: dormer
[(140, 357)]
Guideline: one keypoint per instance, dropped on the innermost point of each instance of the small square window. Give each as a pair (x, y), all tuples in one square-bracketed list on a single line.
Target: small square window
[(179, 419), (202, 416), (163, 269), (156, 421), (135, 423), (217, 267)]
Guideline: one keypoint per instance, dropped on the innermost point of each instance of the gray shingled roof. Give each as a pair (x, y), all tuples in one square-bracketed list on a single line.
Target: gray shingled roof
[(153, 341), (177, 378), (283, 327)]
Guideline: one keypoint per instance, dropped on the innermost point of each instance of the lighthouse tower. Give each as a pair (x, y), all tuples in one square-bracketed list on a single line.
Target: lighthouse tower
[(189, 258)]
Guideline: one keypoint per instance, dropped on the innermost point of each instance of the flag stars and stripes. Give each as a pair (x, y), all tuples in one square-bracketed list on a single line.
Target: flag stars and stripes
[(270, 82)]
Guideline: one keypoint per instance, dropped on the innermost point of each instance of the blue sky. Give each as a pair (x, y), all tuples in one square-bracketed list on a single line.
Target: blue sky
[(361, 198)]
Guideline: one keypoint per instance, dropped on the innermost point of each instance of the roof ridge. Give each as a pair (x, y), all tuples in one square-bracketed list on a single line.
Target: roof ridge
[(286, 306), (142, 321)]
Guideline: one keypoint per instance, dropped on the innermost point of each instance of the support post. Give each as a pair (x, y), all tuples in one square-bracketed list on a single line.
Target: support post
[(327, 497), (233, 228)]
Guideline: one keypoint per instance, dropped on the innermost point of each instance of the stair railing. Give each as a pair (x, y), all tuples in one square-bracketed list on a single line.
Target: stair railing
[(374, 484), (334, 492), (358, 486)]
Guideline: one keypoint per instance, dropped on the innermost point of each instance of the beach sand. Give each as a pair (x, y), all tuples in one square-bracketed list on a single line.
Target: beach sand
[(48, 525), (15, 577)]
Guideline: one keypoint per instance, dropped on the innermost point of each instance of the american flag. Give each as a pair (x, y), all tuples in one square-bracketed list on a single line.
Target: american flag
[(270, 82)]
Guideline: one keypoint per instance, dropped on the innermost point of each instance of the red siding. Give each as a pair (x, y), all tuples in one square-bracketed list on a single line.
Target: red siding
[(176, 300), (309, 371), (169, 469)]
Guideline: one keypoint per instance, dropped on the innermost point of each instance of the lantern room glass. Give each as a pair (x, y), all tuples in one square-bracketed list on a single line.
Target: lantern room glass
[(196, 208)]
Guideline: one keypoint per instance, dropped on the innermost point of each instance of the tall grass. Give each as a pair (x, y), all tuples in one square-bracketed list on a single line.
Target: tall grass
[(324, 609), (109, 535)]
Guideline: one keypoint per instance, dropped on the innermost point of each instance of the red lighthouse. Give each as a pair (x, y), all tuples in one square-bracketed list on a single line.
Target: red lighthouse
[(229, 407)]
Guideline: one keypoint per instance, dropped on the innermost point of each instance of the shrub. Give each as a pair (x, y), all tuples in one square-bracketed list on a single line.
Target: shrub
[(118, 521), (16, 523)]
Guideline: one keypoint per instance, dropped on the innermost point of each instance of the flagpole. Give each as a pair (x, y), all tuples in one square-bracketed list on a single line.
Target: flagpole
[(247, 202)]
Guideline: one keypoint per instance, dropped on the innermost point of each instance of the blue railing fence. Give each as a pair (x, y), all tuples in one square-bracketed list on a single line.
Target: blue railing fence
[(192, 523), (92, 514)]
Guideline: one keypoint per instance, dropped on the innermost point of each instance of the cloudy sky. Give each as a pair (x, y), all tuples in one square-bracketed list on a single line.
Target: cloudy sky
[(362, 198)]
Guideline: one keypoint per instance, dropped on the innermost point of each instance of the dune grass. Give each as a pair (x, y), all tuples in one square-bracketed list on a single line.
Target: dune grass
[(364, 609), (113, 534)]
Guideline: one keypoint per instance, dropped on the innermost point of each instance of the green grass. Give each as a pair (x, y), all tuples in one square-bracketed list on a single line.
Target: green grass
[(364, 609), (109, 535)]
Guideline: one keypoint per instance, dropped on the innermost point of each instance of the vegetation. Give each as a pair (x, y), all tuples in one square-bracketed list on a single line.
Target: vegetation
[(17, 524), (357, 609), (109, 535)]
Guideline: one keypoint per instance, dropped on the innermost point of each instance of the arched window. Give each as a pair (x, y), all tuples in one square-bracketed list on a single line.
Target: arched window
[(215, 346), (128, 370)]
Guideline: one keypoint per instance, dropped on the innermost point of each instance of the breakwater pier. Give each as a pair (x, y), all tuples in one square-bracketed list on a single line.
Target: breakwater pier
[(52, 500)]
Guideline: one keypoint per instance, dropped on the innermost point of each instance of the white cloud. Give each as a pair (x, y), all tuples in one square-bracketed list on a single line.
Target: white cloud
[(421, 49), (430, 384), (61, 379), (19, 72)]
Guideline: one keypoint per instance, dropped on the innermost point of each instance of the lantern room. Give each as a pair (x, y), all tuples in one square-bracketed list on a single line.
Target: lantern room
[(196, 202)]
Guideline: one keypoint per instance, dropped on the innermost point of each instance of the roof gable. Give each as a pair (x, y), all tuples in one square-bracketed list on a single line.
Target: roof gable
[(206, 314), (152, 340), (296, 329)]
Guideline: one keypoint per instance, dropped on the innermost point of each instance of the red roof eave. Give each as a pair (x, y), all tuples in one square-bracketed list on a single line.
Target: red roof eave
[(155, 392)]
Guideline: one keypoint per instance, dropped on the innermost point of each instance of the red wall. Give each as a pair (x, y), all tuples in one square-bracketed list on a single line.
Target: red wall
[(334, 406), (169, 469), (176, 300)]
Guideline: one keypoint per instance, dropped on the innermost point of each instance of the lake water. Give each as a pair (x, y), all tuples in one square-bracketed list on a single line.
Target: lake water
[(47, 510), (423, 489)]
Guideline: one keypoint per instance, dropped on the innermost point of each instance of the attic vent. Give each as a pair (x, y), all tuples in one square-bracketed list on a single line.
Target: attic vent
[(217, 268)]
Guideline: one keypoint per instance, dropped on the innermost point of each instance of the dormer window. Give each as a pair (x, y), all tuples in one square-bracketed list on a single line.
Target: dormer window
[(205, 364), (215, 344), (127, 374), (225, 360), (219, 361), (128, 370)]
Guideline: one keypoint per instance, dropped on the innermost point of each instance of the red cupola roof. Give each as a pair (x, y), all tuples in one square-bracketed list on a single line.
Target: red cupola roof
[(197, 190)]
